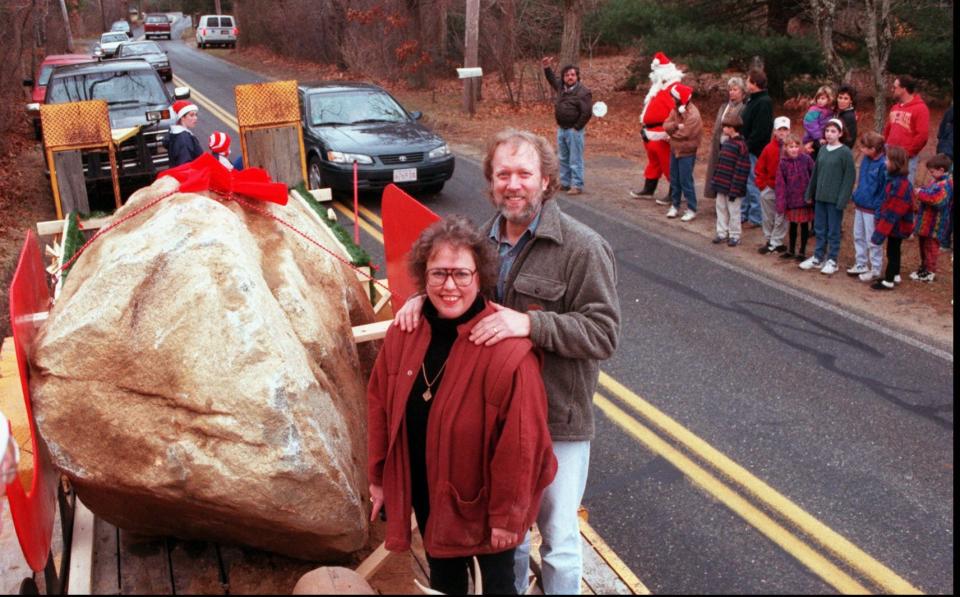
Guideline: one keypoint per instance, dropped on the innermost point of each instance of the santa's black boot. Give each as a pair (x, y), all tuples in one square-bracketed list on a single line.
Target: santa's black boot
[(649, 186)]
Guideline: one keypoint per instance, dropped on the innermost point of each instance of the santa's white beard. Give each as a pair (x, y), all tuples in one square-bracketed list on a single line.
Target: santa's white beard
[(660, 79)]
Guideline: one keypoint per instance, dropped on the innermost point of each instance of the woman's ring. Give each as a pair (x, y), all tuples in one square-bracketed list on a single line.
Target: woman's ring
[(496, 331)]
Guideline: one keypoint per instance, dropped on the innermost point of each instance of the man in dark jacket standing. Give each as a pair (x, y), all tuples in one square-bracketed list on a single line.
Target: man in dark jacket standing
[(572, 109), (757, 116)]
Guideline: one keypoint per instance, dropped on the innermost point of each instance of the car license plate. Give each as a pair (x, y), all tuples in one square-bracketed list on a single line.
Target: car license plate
[(405, 175)]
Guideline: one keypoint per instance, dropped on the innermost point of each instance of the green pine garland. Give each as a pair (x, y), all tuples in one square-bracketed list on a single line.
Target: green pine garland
[(72, 241), (358, 256)]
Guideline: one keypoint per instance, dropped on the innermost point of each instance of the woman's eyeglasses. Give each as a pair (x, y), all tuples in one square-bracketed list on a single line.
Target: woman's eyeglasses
[(461, 276)]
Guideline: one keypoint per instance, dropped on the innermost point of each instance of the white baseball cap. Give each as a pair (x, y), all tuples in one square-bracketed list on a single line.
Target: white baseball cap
[(781, 122)]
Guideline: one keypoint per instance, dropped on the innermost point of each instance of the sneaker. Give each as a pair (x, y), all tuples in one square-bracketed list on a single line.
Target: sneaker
[(718, 239), (916, 275), (564, 188), (787, 255), (811, 263), (765, 249), (801, 256), (829, 268), (637, 193), (926, 277), (733, 242), (882, 285), (688, 215), (858, 269), (897, 279), (672, 212), (869, 276), (780, 248), (662, 201), (575, 191)]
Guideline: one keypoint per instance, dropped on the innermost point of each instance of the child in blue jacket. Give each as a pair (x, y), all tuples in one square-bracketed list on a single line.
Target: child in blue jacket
[(867, 198)]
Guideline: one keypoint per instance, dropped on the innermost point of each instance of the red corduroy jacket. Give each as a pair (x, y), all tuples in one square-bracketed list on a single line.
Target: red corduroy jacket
[(489, 454)]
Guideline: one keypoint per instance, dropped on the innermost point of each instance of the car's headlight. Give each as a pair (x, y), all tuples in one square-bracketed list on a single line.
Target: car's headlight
[(439, 152), (340, 157)]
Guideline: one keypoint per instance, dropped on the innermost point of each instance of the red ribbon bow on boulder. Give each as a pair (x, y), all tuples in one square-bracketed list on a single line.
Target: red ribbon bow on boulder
[(207, 173)]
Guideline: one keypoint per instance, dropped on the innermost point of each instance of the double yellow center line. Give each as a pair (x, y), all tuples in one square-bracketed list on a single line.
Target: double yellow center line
[(737, 482)]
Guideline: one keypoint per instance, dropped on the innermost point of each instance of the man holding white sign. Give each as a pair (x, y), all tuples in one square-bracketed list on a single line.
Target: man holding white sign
[(572, 108)]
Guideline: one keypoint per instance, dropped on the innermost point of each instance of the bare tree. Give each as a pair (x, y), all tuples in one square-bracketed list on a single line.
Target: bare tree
[(823, 13), (572, 31), (877, 30)]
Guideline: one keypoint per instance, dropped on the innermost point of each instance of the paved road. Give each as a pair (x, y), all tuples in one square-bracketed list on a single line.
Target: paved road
[(749, 439)]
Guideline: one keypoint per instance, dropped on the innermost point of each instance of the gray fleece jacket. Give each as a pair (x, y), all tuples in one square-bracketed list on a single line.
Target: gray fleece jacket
[(565, 278)]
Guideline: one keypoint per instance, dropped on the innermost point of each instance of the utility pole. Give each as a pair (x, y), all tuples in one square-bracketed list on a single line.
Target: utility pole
[(216, 7), (66, 25), (470, 53), (103, 16)]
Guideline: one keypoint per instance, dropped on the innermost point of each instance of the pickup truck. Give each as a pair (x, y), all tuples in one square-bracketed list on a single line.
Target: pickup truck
[(157, 25)]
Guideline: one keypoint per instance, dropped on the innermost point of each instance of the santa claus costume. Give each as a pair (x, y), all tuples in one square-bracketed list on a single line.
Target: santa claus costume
[(656, 107)]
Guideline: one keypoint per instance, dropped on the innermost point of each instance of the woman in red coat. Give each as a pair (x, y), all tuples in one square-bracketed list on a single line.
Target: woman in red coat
[(458, 432)]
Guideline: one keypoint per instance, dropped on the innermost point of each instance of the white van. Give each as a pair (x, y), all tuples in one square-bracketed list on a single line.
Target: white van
[(217, 29)]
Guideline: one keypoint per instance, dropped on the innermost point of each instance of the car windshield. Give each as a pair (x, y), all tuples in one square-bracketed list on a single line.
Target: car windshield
[(131, 88), (119, 26), (354, 107), (156, 20), (140, 49), (112, 37)]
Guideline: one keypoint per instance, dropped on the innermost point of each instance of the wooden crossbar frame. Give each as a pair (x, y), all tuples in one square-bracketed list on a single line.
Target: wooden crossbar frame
[(272, 106)]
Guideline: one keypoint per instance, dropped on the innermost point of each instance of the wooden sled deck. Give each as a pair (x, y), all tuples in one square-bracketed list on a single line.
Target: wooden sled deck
[(127, 564)]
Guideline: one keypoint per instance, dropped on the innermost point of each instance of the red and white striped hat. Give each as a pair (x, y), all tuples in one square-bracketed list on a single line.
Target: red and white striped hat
[(219, 143), (182, 107)]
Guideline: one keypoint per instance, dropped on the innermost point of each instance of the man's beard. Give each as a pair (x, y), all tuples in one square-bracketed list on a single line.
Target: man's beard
[(525, 215)]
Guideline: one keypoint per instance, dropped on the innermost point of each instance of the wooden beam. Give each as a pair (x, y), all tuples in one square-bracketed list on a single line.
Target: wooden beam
[(52, 227), (81, 552), (371, 331)]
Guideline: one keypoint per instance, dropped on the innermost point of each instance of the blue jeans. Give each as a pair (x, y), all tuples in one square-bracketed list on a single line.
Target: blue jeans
[(570, 152), (681, 179), (559, 525), (912, 167), (826, 225), (750, 210)]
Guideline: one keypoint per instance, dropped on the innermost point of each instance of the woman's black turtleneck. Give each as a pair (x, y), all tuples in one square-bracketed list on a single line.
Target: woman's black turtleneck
[(443, 333)]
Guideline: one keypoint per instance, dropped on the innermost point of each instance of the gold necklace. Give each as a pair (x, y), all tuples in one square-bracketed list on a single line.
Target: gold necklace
[(423, 367)]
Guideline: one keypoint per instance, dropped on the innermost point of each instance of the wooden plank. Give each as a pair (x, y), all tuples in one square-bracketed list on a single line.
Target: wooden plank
[(612, 560), (105, 572), (371, 331), (322, 195), (254, 572), (196, 568), (144, 568), (276, 150), (81, 551), (70, 180), (52, 227), (598, 576)]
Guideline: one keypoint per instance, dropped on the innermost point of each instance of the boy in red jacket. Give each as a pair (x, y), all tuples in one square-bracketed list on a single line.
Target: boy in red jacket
[(774, 226)]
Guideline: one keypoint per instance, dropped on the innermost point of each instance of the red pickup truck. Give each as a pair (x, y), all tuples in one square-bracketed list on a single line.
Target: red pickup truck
[(157, 26)]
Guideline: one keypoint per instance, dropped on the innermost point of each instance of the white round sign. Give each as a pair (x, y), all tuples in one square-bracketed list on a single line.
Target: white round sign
[(599, 109)]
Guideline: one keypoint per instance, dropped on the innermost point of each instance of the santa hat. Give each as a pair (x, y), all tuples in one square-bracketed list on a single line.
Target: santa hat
[(182, 107), (681, 93), (219, 143), (660, 60)]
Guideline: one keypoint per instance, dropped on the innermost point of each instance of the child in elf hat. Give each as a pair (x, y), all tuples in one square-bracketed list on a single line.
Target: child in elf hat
[(219, 144), (181, 144), (685, 129)]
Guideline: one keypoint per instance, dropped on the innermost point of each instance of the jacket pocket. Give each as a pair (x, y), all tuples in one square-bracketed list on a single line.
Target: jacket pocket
[(456, 522), (539, 289)]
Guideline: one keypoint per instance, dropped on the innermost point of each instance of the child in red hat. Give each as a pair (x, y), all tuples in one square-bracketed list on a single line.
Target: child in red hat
[(181, 144), (219, 144)]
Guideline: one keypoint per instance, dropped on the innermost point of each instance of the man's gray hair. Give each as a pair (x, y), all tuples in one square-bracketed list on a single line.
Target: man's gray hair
[(549, 163)]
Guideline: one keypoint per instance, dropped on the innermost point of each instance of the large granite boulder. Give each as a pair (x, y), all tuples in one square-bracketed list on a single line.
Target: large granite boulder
[(198, 377)]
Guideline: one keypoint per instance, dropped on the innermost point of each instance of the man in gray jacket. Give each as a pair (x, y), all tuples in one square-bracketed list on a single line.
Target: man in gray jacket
[(558, 287)]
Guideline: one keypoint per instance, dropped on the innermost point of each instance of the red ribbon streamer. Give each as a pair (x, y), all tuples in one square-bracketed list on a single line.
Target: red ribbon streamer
[(207, 173)]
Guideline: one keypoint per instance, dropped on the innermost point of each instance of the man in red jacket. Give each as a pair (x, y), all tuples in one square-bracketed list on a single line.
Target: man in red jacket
[(908, 123)]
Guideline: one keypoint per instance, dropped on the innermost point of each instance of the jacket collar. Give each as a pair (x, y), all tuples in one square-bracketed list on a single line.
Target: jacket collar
[(549, 226), (176, 129)]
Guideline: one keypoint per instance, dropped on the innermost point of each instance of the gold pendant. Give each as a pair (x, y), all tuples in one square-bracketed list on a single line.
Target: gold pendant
[(427, 395)]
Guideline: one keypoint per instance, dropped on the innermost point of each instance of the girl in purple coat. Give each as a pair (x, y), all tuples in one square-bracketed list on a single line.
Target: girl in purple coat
[(793, 176), (816, 119)]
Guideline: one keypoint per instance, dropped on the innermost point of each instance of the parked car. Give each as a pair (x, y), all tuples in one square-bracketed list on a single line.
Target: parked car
[(217, 29), (109, 42), (345, 123), (157, 25), (135, 96), (39, 82), (149, 51), (122, 27)]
